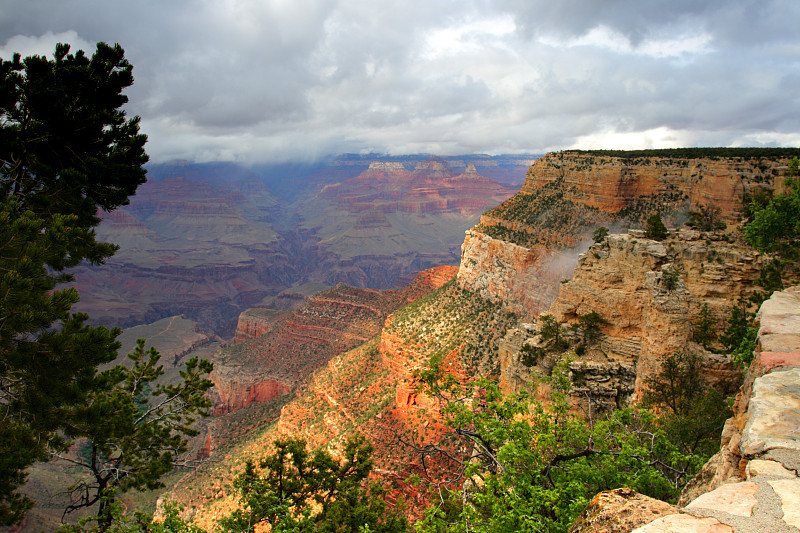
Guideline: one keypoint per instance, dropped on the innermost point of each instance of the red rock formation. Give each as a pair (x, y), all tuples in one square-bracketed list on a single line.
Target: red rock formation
[(292, 346), (233, 395), (431, 188), (611, 183), (256, 322)]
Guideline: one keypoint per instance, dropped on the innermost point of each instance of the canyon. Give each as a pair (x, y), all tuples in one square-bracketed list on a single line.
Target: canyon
[(320, 359), (478, 323), (210, 240)]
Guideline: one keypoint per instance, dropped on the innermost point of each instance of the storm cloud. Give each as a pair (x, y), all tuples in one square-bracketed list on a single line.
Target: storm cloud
[(257, 80)]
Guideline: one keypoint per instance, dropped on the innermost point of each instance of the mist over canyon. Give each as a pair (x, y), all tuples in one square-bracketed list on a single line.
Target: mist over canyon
[(323, 301), (211, 240)]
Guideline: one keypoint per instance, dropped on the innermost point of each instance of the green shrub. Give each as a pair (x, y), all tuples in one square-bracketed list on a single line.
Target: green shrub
[(655, 228)]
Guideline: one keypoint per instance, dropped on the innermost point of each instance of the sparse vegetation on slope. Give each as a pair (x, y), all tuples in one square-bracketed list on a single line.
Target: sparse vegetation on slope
[(544, 217), (451, 320)]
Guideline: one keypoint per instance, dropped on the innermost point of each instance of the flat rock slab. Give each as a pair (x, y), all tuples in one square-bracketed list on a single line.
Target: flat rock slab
[(780, 322), (773, 414), (683, 523), (737, 499), (789, 492), (782, 304), (760, 467), (771, 360)]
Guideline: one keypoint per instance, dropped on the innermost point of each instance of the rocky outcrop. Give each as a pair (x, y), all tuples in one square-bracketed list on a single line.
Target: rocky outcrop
[(294, 345), (256, 322), (650, 294), (620, 510), (521, 246), (753, 483), (232, 394), (524, 279)]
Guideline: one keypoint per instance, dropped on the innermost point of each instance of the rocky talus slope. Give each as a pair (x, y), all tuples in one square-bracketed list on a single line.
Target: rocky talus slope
[(753, 483), (521, 247)]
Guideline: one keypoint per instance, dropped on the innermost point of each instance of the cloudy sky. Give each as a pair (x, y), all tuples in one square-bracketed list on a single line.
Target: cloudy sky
[(271, 80)]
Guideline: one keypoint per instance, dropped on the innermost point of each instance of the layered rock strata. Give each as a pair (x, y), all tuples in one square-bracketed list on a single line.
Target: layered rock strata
[(256, 322), (391, 220), (519, 248), (624, 280), (613, 183), (263, 368)]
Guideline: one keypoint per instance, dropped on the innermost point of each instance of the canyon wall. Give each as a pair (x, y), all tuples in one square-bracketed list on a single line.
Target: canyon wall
[(622, 279), (520, 248), (274, 351), (210, 240), (256, 322)]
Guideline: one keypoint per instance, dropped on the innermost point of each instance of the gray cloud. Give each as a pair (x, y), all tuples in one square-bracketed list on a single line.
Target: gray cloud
[(269, 80)]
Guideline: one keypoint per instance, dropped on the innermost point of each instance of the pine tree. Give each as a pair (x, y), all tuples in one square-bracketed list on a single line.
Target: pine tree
[(66, 151), (135, 428), (655, 228)]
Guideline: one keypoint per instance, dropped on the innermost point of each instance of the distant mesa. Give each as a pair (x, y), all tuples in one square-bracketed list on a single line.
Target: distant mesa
[(385, 167)]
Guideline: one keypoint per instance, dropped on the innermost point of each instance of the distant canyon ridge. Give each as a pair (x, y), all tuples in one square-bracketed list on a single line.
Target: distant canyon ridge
[(209, 240)]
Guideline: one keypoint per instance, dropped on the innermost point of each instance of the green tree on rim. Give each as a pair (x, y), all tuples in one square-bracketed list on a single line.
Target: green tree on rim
[(67, 150)]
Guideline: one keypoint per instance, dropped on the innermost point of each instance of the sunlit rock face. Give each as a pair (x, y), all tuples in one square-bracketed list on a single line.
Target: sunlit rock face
[(274, 351), (522, 248), (612, 183)]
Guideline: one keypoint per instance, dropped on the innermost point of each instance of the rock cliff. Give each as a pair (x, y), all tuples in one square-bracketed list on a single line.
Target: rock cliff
[(256, 322), (623, 280), (267, 366), (532, 239)]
